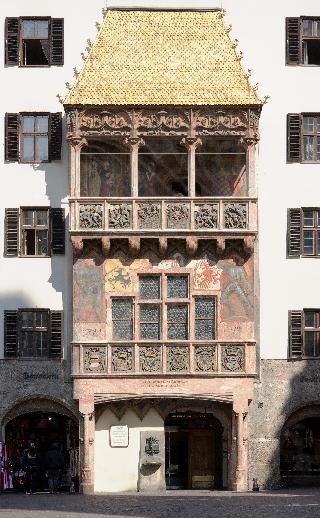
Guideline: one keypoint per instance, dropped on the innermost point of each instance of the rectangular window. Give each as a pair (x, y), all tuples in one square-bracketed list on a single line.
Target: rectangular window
[(35, 138), (303, 132), (311, 138), (303, 41), (311, 231), (33, 333), (163, 310), (34, 231), (311, 332), (34, 41)]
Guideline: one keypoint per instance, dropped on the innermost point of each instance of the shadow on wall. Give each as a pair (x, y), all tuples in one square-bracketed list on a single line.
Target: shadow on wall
[(12, 300)]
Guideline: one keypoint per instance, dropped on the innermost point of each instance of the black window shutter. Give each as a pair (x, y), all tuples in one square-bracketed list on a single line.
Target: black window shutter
[(294, 233), (294, 137), (295, 334), (10, 334), (56, 323), (57, 41), (11, 243), (12, 41), (55, 136), (58, 231), (12, 137), (293, 41)]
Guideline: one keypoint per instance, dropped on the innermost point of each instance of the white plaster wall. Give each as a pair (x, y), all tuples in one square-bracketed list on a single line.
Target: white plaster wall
[(39, 282), (117, 469)]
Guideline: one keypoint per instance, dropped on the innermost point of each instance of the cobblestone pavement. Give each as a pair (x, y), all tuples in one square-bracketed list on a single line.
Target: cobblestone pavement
[(184, 504)]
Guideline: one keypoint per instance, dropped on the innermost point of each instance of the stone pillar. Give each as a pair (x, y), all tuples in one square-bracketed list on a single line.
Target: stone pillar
[(191, 144), (240, 477), (249, 143), (134, 143), (76, 145), (87, 454)]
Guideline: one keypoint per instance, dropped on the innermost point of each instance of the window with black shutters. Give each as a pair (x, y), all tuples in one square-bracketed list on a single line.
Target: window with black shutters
[(33, 333), (303, 132), (304, 333), (33, 137), (34, 41), (34, 232), (303, 232), (303, 41)]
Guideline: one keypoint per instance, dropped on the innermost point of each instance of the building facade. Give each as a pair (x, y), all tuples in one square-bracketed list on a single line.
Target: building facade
[(142, 328)]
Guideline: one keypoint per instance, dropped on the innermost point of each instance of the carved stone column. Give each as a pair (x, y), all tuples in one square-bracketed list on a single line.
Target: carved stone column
[(240, 481), (76, 145), (87, 457), (249, 143), (191, 144), (134, 143)]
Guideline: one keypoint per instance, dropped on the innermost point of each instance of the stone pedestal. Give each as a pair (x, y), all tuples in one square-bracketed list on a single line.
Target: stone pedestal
[(152, 461)]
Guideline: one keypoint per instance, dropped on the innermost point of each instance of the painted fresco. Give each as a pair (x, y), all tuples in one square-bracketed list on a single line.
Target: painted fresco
[(236, 288), (89, 303), (118, 277), (206, 277)]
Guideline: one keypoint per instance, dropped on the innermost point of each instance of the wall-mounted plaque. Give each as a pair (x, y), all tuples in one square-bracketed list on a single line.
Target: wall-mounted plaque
[(119, 436)]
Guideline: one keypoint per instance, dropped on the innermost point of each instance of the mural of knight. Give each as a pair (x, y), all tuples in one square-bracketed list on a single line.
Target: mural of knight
[(163, 222)]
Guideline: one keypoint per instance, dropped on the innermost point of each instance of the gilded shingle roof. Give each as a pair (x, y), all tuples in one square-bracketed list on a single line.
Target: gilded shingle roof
[(160, 58)]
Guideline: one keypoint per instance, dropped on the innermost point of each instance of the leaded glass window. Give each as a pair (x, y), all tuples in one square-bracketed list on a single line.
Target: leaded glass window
[(149, 287), (177, 319), (122, 319), (204, 318), (177, 287), (149, 321)]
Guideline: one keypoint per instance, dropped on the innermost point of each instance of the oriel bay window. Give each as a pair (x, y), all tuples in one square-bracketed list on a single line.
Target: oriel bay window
[(220, 168), (105, 169), (164, 309)]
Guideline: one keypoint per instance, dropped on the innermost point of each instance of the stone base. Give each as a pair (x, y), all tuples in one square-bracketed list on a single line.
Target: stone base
[(240, 484)]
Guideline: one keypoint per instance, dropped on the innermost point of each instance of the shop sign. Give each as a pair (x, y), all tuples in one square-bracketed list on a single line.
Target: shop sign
[(119, 436)]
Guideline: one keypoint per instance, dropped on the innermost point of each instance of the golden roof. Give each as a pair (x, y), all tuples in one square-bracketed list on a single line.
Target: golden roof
[(143, 57)]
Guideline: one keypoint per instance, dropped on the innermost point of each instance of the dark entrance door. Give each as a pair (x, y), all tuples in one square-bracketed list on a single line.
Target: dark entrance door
[(193, 451)]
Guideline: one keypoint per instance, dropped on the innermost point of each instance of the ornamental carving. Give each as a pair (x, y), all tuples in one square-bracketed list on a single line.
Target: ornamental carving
[(178, 215), (105, 122), (150, 358), (120, 216), (232, 357), (177, 359), (122, 359), (162, 121), (149, 215), (235, 215), (205, 358), (221, 122), (254, 116), (94, 359), (206, 216), (90, 216)]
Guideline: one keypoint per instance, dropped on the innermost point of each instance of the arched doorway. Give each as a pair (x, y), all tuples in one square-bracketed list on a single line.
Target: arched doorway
[(300, 448), (25, 427), (194, 450)]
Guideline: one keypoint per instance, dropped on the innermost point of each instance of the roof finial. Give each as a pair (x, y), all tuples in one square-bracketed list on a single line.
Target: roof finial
[(89, 43), (248, 74), (104, 12), (60, 98), (266, 99), (240, 56), (222, 13), (76, 72), (229, 28), (98, 26), (256, 86), (84, 57), (235, 43), (68, 86)]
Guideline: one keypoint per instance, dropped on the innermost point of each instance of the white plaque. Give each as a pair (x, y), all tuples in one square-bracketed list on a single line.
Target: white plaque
[(119, 436)]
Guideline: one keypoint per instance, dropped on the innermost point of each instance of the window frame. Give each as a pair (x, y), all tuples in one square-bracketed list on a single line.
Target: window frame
[(21, 228), (34, 134), (302, 38), (309, 330), (163, 302), (33, 18), (306, 134), (314, 228), (34, 329)]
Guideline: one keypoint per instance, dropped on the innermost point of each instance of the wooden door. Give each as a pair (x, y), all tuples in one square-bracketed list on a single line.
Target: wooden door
[(201, 459)]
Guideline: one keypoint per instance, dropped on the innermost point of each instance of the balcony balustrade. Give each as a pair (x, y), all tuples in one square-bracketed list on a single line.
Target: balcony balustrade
[(166, 216), (146, 359)]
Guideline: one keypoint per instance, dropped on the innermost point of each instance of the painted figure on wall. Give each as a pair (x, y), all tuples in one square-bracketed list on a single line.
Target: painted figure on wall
[(88, 291), (237, 289)]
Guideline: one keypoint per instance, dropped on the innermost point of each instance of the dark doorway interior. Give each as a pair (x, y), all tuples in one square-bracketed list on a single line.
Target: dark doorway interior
[(193, 451), (40, 430), (300, 453)]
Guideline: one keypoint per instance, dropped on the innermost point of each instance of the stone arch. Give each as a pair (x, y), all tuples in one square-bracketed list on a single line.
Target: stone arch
[(37, 403)]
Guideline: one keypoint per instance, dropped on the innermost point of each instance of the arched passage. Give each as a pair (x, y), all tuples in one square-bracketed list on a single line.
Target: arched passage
[(300, 448), (36, 425)]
